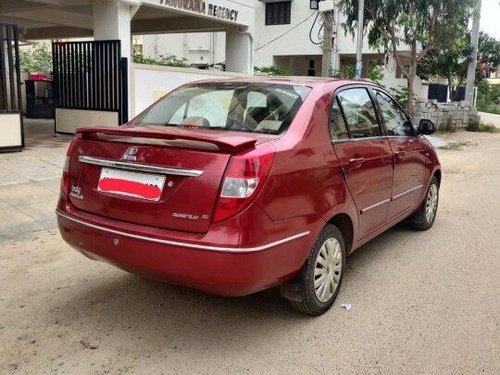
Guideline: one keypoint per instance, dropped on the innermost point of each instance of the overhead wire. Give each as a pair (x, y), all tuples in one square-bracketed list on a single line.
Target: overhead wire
[(311, 30), (286, 32)]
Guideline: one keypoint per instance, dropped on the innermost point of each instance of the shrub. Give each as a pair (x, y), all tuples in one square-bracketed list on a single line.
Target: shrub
[(347, 72), (273, 70), (375, 74), (448, 126), (162, 60), (476, 126), (488, 97)]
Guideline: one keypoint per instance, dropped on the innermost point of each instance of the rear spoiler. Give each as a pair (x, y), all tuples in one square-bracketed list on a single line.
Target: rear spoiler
[(231, 144)]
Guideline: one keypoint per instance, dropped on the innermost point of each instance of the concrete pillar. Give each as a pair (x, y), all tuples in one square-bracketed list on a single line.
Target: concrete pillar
[(112, 21), (239, 51)]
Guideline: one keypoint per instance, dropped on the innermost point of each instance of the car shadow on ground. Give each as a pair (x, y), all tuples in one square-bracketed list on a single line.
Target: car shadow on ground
[(165, 313)]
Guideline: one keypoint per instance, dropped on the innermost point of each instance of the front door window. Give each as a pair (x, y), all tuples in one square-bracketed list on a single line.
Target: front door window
[(396, 122)]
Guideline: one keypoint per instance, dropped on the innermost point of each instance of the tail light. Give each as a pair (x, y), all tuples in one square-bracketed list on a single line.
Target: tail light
[(244, 177), (65, 177)]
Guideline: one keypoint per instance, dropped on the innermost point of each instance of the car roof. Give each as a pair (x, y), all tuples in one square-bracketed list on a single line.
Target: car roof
[(312, 82)]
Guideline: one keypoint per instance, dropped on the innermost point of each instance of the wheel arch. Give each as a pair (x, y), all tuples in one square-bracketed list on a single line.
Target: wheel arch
[(437, 173), (346, 226)]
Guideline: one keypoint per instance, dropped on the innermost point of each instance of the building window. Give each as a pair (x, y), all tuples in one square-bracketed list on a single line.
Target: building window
[(311, 71), (278, 13)]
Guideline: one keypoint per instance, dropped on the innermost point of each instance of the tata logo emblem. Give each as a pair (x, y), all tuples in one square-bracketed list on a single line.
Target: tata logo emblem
[(130, 154)]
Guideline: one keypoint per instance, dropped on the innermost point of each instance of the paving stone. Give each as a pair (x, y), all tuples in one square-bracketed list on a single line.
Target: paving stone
[(7, 177), (26, 193), (42, 212), (53, 185), (32, 168), (15, 222)]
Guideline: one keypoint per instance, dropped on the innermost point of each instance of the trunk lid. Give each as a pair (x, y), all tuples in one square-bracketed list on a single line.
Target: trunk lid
[(155, 176)]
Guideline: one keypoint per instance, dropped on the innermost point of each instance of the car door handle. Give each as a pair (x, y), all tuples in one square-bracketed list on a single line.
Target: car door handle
[(356, 161), (400, 154)]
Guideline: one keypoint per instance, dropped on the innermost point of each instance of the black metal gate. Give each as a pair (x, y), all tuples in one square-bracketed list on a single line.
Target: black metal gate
[(438, 92), (10, 80), (90, 76)]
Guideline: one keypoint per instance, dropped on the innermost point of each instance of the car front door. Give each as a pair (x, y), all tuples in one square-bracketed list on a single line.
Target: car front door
[(364, 154), (409, 157)]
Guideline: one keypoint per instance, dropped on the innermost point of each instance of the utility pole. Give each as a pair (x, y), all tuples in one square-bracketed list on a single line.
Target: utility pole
[(474, 41), (359, 44), (326, 68), (335, 55)]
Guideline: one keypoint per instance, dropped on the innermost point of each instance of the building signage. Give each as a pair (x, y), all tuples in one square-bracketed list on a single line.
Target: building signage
[(203, 7)]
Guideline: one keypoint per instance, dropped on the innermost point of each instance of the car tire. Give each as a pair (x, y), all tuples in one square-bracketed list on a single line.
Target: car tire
[(425, 216), (317, 286)]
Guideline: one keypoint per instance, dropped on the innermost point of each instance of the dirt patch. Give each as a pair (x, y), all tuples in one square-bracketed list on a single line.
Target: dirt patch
[(421, 302)]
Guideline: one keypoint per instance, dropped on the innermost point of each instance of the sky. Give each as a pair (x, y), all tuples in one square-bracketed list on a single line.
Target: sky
[(490, 17)]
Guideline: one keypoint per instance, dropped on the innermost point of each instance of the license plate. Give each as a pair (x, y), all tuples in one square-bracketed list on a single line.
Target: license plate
[(132, 184)]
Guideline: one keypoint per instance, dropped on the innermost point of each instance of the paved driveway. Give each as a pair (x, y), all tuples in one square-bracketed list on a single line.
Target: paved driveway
[(422, 303)]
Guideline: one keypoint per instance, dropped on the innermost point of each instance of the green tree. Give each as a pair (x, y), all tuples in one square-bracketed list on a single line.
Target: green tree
[(489, 50), (450, 62), (420, 26), (38, 58), (488, 97)]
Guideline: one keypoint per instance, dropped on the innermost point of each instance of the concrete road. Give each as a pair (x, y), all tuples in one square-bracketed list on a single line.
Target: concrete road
[(422, 303), (490, 118)]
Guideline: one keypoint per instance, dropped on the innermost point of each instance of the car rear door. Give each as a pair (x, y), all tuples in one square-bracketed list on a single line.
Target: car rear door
[(409, 156), (364, 154)]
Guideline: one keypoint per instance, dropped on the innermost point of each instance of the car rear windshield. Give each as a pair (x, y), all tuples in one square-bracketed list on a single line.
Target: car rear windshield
[(255, 108)]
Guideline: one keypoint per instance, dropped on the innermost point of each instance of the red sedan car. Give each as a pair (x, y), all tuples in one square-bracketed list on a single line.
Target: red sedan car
[(234, 186)]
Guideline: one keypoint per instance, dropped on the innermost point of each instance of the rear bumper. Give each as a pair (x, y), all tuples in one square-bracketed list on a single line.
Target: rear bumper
[(214, 268)]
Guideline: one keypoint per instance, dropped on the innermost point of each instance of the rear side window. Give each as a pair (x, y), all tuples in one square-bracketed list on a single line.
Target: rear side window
[(359, 113), (338, 128)]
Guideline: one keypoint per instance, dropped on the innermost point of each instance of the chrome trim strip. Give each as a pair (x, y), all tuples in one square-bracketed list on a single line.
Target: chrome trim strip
[(139, 167), (392, 199), (346, 140), (406, 192), (240, 250), (375, 205)]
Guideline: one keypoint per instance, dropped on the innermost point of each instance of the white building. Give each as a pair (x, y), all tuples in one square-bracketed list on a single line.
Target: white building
[(197, 49), (241, 34), (96, 80), (281, 39)]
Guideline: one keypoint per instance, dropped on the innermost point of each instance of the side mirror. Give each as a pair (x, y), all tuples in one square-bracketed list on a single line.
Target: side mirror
[(426, 127)]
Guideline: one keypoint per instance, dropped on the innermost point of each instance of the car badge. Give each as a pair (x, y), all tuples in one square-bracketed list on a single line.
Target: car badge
[(130, 154), (76, 192)]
